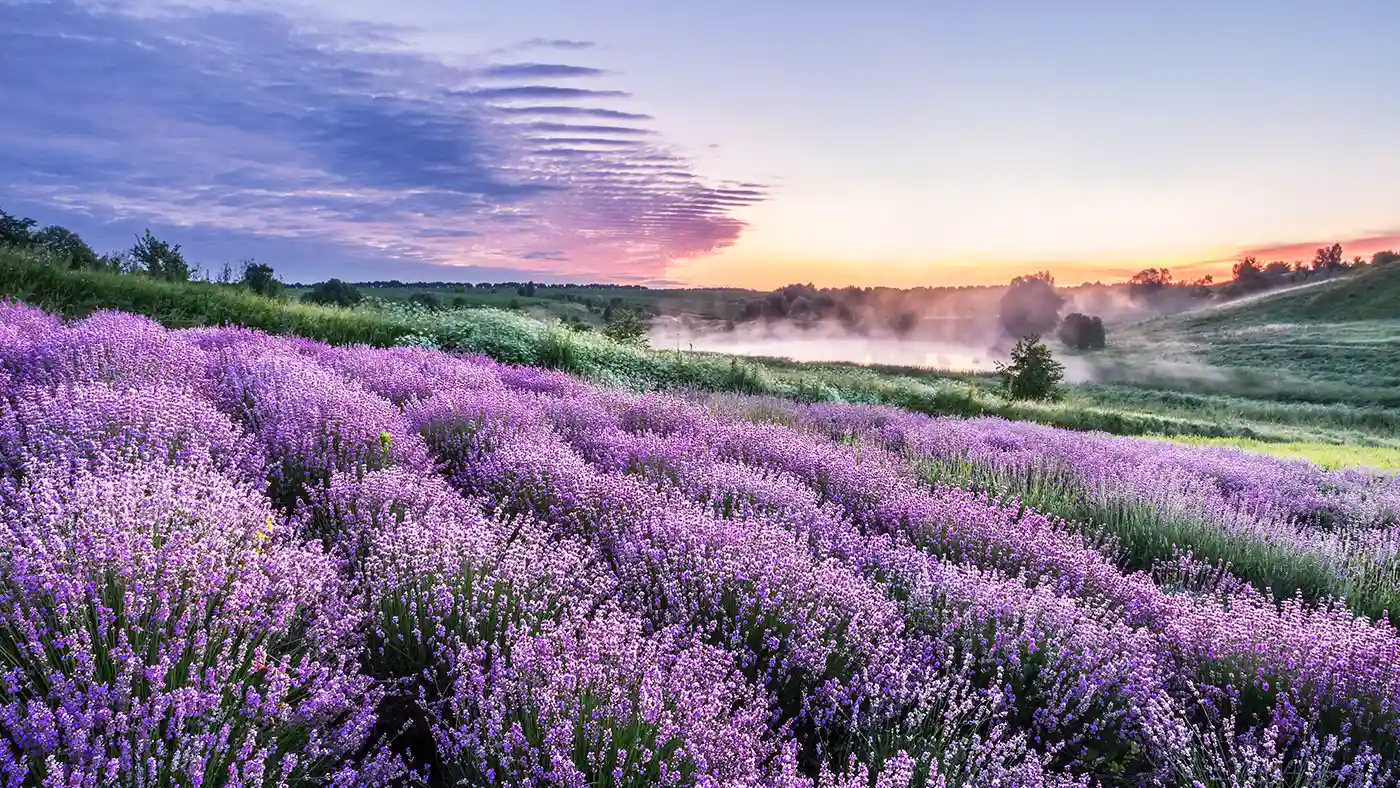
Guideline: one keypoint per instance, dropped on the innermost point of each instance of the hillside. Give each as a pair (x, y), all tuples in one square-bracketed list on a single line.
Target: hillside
[(1372, 294), (1335, 342)]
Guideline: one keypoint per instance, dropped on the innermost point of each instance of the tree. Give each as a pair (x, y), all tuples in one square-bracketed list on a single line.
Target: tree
[(67, 246), (15, 231), (260, 278), (1149, 283), (1329, 259), (1248, 274), (1082, 332), (626, 326), (333, 292), (159, 259), (1385, 258), (1033, 372), (1030, 305)]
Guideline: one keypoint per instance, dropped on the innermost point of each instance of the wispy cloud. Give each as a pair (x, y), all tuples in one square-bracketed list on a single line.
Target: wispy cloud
[(538, 71), (573, 112), (1365, 245), (240, 124), (555, 43)]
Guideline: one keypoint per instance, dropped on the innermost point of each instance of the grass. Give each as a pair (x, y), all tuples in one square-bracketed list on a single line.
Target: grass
[(1239, 408), (1327, 455)]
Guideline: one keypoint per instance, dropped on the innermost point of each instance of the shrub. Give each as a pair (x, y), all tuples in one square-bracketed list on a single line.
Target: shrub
[(425, 300), (334, 292), (1033, 372)]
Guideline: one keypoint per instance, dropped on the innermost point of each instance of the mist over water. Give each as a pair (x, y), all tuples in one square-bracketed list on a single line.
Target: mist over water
[(831, 342)]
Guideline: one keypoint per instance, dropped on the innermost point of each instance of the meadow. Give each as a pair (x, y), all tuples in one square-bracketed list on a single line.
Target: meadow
[(1256, 402), (241, 559)]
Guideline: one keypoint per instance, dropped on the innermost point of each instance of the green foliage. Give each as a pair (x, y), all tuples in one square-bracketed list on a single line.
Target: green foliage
[(259, 278), (333, 292), (426, 341), (425, 300), (159, 259), (16, 231), (625, 325), (66, 246), (1082, 332), (1033, 372)]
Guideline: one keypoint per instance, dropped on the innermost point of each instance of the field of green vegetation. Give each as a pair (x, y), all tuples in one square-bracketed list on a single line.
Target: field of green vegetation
[(1252, 381)]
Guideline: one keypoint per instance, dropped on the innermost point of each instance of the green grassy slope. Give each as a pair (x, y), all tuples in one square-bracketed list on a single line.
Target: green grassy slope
[(1335, 343)]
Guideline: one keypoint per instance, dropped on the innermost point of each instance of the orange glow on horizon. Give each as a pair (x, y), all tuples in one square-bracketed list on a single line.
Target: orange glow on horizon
[(769, 271)]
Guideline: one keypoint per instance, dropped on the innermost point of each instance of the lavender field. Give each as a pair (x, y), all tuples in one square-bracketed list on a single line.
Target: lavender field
[(233, 559)]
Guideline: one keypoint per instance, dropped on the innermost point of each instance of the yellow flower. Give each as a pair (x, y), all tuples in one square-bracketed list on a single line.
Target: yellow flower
[(263, 535)]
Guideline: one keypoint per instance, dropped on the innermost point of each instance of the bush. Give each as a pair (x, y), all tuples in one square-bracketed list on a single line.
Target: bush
[(1082, 332), (426, 300), (333, 292), (1033, 373)]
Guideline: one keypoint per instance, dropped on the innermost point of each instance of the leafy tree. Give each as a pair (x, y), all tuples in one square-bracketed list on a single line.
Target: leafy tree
[(1082, 332), (1278, 269), (260, 278), (333, 292), (1030, 305), (1033, 372), (1385, 258), (1248, 274), (66, 245), (159, 259), (1329, 259), (1149, 283), (16, 231), (901, 323), (425, 300), (626, 326)]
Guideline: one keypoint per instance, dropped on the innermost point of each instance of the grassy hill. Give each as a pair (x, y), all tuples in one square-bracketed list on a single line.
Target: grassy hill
[(1334, 343)]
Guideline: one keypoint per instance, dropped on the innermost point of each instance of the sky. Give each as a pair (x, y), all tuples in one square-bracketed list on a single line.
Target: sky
[(743, 143)]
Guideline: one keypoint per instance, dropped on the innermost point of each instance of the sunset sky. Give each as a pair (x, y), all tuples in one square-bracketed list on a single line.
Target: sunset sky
[(730, 142)]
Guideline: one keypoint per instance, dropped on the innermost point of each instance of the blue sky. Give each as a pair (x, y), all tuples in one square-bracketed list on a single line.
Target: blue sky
[(750, 143)]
